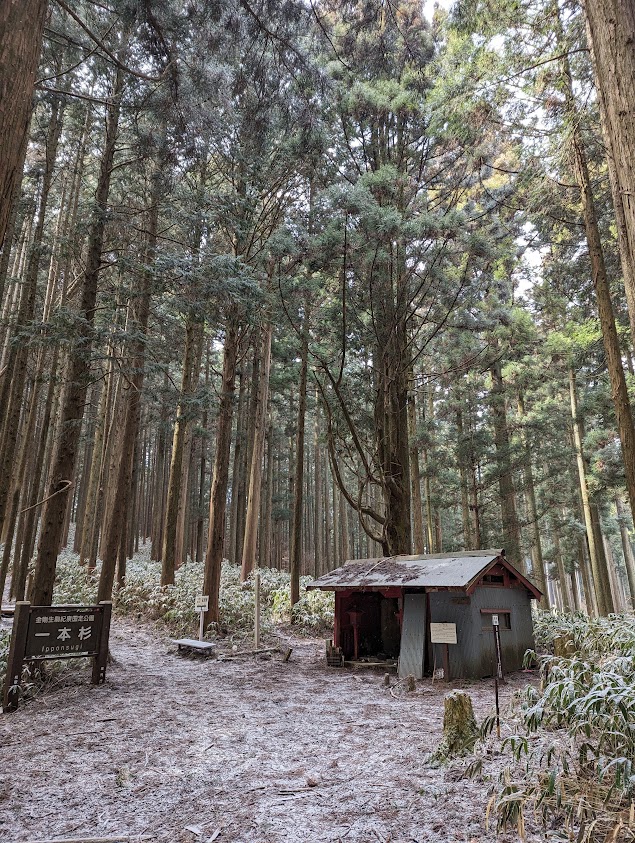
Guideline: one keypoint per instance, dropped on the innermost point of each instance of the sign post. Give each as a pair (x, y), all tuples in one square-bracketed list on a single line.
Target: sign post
[(444, 633), (202, 605), (498, 672), (56, 632), (256, 609)]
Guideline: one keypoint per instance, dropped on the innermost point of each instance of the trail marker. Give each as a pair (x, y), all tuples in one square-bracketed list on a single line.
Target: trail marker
[(56, 632), (201, 605)]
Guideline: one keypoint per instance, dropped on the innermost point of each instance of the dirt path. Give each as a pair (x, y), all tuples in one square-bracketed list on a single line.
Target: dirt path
[(262, 750)]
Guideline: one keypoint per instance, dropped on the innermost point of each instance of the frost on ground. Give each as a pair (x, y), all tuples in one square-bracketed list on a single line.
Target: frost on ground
[(251, 750)]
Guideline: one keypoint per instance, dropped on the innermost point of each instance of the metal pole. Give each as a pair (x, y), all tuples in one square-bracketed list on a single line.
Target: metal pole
[(498, 672)]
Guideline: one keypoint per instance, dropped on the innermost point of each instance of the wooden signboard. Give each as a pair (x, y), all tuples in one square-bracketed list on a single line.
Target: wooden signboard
[(56, 632), (201, 602), (443, 633)]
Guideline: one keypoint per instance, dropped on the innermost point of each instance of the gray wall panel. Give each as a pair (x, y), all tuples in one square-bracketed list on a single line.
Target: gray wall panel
[(413, 635)]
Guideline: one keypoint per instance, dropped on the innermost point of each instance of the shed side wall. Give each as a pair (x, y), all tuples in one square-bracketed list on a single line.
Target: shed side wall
[(473, 655)]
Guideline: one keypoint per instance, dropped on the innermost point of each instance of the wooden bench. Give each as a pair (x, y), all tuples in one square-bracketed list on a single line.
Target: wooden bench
[(193, 645)]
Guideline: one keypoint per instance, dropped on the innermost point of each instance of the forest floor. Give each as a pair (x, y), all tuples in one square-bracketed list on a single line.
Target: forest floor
[(256, 750)]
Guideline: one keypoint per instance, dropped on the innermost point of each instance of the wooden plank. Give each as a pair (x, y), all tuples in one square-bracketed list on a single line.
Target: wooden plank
[(194, 644), (101, 659)]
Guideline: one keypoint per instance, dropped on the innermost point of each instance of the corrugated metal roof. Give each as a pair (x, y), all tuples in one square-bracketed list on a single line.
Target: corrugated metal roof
[(441, 570)]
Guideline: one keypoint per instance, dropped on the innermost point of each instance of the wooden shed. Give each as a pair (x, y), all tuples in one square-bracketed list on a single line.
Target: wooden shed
[(384, 609)]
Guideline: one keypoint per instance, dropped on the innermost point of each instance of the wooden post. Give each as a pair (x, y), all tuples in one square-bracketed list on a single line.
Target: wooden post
[(257, 609), (17, 649), (446, 662), (101, 659)]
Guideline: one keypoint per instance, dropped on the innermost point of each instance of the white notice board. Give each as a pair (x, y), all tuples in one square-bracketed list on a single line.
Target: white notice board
[(443, 633)]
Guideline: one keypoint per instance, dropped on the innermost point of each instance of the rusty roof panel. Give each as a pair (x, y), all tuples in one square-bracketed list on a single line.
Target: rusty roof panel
[(441, 570)]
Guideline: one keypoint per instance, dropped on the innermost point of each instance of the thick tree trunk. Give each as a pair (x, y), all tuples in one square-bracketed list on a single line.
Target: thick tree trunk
[(78, 372), (21, 28), (611, 35), (218, 494)]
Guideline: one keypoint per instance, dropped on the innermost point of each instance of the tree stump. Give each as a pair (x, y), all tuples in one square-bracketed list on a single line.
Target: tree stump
[(564, 646), (459, 726)]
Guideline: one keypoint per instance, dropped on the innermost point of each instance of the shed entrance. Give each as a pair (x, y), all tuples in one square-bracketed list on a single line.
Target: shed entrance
[(370, 626)]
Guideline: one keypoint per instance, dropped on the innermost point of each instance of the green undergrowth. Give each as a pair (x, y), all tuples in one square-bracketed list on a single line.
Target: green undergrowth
[(172, 607), (572, 759)]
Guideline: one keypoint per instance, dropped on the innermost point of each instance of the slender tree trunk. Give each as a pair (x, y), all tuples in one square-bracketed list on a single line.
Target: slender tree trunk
[(295, 553), (600, 574), (617, 592), (629, 560), (427, 472), (267, 526), (538, 564), (511, 528), (255, 475), (202, 467), (562, 574), (233, 550), (168, 556), (418, 536), (319, 566), (465, 502), (159, 482)]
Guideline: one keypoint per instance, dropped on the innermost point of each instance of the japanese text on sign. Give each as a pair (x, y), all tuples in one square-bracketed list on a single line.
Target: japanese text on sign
[(67, 632)]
